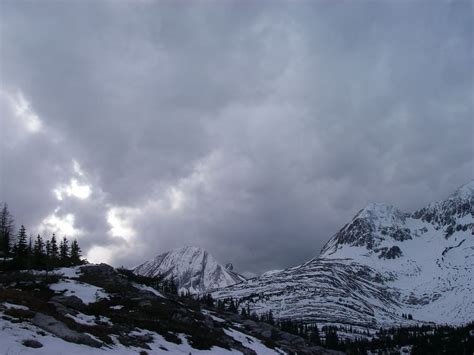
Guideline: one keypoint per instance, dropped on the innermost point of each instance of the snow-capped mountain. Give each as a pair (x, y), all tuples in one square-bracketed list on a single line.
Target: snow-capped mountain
[(192, 268), (382, 264)]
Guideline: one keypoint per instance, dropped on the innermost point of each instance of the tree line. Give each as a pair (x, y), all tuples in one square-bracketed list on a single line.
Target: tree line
[(158, 282), (22, 252)]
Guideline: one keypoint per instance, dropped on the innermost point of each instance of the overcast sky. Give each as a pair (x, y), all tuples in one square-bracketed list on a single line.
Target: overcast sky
[(253, 129)]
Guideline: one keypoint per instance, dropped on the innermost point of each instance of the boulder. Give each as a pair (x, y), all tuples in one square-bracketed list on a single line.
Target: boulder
[(31, 343), (73, 302)]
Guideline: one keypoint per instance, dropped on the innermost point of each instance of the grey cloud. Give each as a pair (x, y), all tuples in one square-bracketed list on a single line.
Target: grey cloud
[(276, 121)]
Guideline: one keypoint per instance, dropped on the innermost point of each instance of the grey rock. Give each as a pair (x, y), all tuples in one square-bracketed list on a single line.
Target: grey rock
[(61, 309), (69, 301), (31, 343), (62, 331)]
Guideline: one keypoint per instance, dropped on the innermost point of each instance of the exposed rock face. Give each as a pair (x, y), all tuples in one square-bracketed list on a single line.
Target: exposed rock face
[(194, 270), (390, 253), (382, 264)]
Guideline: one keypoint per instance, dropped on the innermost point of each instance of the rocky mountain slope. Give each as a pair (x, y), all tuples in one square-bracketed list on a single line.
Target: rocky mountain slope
[(192, 268), (380, 266), (95, 309)]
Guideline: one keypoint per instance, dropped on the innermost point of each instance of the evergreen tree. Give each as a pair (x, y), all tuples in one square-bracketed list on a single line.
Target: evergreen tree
[(6, 230), (332, 340), (30, 248), (54, 252), (233, 307), (173, 286), (21, 250), (314, 335), (270, 317), (64, 251), (75, 253), (48, 249), (38, 252)]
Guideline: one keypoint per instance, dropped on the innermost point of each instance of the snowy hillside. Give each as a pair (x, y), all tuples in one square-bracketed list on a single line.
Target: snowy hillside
[(382, 264), (193, 268), (95, 309)]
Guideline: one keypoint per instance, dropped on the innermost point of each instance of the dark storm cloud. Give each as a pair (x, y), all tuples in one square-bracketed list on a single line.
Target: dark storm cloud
[(254, 130)]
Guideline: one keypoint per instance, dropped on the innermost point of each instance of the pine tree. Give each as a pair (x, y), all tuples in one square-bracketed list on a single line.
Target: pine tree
[(38, 252), (54, 252), (48, 249), (6, 230), (332, 340), (314, 335), (173, 286), (270, 317), (30, 248), (75, 253), (232, 307), (21, 245), (64, 251)]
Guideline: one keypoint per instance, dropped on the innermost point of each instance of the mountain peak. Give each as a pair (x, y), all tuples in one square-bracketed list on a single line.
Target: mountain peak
[(377, 210), (465, 191), (380, 214), (192, 268), (188, 249)]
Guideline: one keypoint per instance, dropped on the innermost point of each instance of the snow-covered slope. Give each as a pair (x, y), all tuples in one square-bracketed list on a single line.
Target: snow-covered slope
[(56, 312), (382, 264), (193, 268)]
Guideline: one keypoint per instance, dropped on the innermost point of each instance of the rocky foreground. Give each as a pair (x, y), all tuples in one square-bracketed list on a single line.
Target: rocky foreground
[(94, 309)]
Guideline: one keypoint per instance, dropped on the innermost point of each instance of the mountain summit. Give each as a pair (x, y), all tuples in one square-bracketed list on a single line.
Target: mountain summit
[(193, 269)]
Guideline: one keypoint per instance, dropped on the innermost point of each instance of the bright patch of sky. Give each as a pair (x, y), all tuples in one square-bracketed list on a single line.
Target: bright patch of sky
[(74, 188), (120, 222), (100, 254), (62, 225), (23, 111), (176, 198)]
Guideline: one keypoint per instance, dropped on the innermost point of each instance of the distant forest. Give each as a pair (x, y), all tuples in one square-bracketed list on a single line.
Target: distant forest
[(18, 251)]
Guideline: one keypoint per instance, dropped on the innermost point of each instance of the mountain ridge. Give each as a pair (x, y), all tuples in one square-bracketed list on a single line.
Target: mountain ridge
[(381, 265)]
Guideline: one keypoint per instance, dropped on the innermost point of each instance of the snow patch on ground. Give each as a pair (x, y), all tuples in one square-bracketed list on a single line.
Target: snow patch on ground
[(15, 306), (12, 335), (252, 343), (217, 319), (87, 293), (150, 289), (85, 319)]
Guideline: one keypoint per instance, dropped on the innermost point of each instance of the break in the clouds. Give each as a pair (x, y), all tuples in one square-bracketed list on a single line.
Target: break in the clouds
[(252, 129)]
